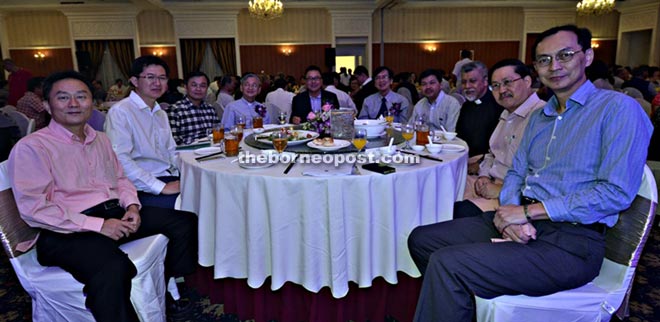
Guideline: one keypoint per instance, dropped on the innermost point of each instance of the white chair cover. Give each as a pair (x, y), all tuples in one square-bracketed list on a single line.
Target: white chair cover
[(595, 301), (31, 125), (56, 295)]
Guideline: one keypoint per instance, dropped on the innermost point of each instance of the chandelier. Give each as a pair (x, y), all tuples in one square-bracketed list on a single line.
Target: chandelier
[(265, 9), (595, 7)]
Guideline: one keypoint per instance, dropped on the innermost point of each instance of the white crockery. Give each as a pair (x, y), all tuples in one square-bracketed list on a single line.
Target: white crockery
[(418, 148), (434, 148), (374, 127)]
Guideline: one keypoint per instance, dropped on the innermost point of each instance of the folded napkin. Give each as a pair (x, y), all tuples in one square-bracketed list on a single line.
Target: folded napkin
[(327, 170)]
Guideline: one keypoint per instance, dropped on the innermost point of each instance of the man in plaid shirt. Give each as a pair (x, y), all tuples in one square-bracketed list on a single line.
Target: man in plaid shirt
[(191, 117)]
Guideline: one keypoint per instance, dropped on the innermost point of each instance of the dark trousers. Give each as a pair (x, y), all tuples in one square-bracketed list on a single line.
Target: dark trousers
[(97, 262), (458, 260), (161, 200)]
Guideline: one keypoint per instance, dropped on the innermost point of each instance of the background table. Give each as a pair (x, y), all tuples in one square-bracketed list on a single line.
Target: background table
[(314, 231)]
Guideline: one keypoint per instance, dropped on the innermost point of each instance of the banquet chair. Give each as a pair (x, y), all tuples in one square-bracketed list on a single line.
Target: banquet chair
[(31, 126), (21, 120), (219, 109), (56, 295), (608, 292)]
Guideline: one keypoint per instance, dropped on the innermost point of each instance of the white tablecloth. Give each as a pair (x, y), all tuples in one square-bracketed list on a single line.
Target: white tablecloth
[(315, 231)]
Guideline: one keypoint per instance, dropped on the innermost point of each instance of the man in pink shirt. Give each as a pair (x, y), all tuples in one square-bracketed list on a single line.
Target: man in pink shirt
[(67, 181)]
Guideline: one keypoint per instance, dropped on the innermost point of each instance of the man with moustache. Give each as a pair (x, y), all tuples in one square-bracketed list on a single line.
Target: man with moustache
[(246, 106), (191, 117), (141, 136), (68, 182), (313, 98), (579, 164), (479, 114), (385, 100), (441, 109), (511, 82)]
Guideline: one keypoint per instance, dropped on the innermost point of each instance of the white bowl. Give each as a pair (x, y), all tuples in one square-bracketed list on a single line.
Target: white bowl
[(418, 148), (374, 127), (434, 148), (449, 135), (388, 150), (259, 130)]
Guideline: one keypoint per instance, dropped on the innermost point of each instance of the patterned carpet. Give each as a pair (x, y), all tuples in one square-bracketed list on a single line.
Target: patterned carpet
[(644, 304)]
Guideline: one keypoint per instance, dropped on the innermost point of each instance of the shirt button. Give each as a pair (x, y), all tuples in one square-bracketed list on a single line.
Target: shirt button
[(536, 175), (554, 137), (547, 158), (559, 118), (527, 188)]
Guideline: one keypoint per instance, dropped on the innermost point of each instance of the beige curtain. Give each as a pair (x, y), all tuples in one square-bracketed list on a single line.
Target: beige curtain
[(224, 51), (192, 53), (95, 49), (122, 52)]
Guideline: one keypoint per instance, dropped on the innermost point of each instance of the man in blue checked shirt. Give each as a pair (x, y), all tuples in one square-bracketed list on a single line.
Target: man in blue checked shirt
[(191, 117), (579, 164)]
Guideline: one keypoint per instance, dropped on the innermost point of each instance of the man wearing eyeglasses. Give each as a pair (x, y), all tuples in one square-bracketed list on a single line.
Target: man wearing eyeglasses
[(313, 98), (141, 136), (511, 82), (385, 101), (579, 164), (479, 114), (247, 106), (191, 117)]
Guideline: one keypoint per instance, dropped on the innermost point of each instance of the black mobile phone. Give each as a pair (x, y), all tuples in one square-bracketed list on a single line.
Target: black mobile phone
[(377, 167)]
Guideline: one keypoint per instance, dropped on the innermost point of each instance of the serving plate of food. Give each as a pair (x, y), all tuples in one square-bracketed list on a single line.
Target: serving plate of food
[(295, 137), (328, 144)]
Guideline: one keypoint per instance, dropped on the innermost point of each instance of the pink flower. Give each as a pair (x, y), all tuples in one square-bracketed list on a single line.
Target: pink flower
[(326, 107), (311, 116)]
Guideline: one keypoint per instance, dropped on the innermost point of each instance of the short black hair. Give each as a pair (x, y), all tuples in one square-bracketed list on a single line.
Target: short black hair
[(142, 62), (518, 67), (196, 73), (310, 68), (466, 53), (430, 72), (361, 70), (328, 78), (280, 83), (34, 83), (58, 76), (380, 69), (583, 36)]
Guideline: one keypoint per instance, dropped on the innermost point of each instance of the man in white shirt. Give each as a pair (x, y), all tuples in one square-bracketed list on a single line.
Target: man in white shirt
[(228, 85), (385, 100), (141, 136), (439, 108), (280, 97), (466, 57), (344, 99)]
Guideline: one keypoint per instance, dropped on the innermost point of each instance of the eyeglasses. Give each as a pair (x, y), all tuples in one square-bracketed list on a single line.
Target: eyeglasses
[(152, 78), (505, 83), (251, 86), (563, 56), (313, 79), (385, 77)]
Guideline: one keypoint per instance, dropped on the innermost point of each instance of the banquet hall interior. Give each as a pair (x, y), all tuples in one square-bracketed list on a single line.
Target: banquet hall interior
[(100, 38)]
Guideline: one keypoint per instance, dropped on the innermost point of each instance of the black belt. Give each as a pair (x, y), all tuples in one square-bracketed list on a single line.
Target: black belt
[(597, 227), (101, 209)]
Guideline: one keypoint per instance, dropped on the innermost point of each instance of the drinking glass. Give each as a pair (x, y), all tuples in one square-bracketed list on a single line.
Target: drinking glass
[(240, 121), (280, 140), (237, 131), (407, 131), (422, 132), (257, 122), (218, 133), (231, 145), (282, 118), (360, 139), (389, 117)]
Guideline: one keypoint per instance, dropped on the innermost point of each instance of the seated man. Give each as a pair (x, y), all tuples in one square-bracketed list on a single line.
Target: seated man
[(247, 106), (191, 117), (67, 181), (580, 163), (512, 87), (441, 109), (140, 134), (313, 98), (31, 103), (385, 100)]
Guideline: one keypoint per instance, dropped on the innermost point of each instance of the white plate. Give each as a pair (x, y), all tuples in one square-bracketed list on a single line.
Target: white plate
[(302, 138), (339, 144), (376, 136), (208, 150), (452, 148), (255, 165)]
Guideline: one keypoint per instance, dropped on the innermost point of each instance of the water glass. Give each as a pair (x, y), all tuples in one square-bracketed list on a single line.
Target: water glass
[(282, 118)]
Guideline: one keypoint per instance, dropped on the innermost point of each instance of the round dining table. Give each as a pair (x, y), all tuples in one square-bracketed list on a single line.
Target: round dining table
[(315, 231)]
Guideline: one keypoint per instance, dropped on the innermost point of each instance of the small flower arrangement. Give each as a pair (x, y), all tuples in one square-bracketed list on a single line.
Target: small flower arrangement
[(395, 109), (319, 122), (261, 110)]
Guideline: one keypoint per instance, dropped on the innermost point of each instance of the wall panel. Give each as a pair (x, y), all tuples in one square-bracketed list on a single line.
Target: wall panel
[(168, 55), (56, 60), (412, 57), (156, 28), (449, 24), (300, 26), (271, 60), (37, 28)]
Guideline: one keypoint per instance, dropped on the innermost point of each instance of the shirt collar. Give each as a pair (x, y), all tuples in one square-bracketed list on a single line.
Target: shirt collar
[(137, 100), (61, 132), (526, 107), (580, 97)]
